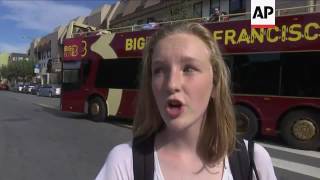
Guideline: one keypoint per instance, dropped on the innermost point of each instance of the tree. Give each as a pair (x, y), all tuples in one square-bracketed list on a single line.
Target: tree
[(18, 70), (4, 72)]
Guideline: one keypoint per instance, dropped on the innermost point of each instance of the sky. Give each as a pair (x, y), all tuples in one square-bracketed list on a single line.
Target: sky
[(21, 21)]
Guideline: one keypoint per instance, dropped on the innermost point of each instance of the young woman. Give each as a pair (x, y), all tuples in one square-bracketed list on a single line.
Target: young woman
[(185, 103)]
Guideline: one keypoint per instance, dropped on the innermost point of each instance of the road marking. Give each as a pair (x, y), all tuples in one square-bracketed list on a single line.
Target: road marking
[(45, 105), (296, 167), (312, 154), (124, 125)]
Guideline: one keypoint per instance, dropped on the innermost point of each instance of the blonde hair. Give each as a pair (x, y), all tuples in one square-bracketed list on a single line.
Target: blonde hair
[(218, 132)]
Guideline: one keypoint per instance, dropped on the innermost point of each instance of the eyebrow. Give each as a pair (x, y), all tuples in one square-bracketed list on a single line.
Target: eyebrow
[(184, 59), (158, 62)]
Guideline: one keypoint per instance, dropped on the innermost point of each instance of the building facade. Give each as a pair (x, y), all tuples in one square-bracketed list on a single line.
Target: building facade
[(14, 57), (8, 58), (48, 50), (45, 52), (139, 12), (33, 50)]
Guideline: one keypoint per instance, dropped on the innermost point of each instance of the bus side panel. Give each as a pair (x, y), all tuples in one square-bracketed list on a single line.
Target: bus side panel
[(269, 109), (72, 101), (128, 104)]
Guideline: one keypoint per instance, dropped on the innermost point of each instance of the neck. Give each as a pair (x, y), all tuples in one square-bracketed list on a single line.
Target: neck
[(180, 140)]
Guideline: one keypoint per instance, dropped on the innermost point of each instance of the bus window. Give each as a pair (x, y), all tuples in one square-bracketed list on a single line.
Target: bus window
[(300, 74), (71, 75), (255, 73), (118, 74), (85, 70)]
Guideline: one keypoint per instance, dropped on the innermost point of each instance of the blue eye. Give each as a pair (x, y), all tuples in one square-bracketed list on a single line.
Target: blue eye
[(189, 69)]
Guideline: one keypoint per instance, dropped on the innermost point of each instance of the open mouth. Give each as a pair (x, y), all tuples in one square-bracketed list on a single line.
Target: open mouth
[(174, 108)]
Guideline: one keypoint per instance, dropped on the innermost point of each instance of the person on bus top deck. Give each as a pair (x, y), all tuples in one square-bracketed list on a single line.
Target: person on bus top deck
[(215, 13), (184, 99)]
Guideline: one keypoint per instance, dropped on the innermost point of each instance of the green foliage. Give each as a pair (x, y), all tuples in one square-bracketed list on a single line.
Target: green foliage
[(18, 70)]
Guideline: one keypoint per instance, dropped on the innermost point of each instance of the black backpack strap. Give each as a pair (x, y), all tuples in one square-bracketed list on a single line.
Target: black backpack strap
[(251, 159), (239, 161), (143, 158)]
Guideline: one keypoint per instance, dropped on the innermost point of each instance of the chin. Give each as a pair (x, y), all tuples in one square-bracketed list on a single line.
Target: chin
[(178, 124)]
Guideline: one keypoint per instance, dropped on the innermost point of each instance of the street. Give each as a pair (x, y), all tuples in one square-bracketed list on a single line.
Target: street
[(37, 141), (41, 143)]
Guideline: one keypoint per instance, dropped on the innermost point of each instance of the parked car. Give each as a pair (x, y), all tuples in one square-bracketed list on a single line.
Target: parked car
[(20, 87), (29, 87), (4, 87), (14, 88), (49, 90), (25, 87), (35, 89)]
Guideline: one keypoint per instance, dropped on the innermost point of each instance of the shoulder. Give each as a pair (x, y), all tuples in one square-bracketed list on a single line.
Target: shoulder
[(261, 155), (118, 165), (263, 162), (120, 153), (258, 150)]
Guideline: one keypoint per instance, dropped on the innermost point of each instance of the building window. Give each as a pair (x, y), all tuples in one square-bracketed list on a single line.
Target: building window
[(214, 4), (150, 19), (237, 6), (197, 10), (139, 22)]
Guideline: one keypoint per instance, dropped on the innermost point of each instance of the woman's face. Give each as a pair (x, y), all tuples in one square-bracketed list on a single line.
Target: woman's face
[(182, 80)]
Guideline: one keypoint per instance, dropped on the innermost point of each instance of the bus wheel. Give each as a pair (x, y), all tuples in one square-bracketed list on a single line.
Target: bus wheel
[(300, 129), (247, 122), (97, 110)]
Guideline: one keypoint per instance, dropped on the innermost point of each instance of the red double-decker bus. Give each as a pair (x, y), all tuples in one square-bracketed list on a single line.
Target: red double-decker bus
[(275, 75)]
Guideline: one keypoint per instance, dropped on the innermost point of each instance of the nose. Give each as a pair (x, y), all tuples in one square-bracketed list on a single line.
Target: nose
[(174, 81)]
